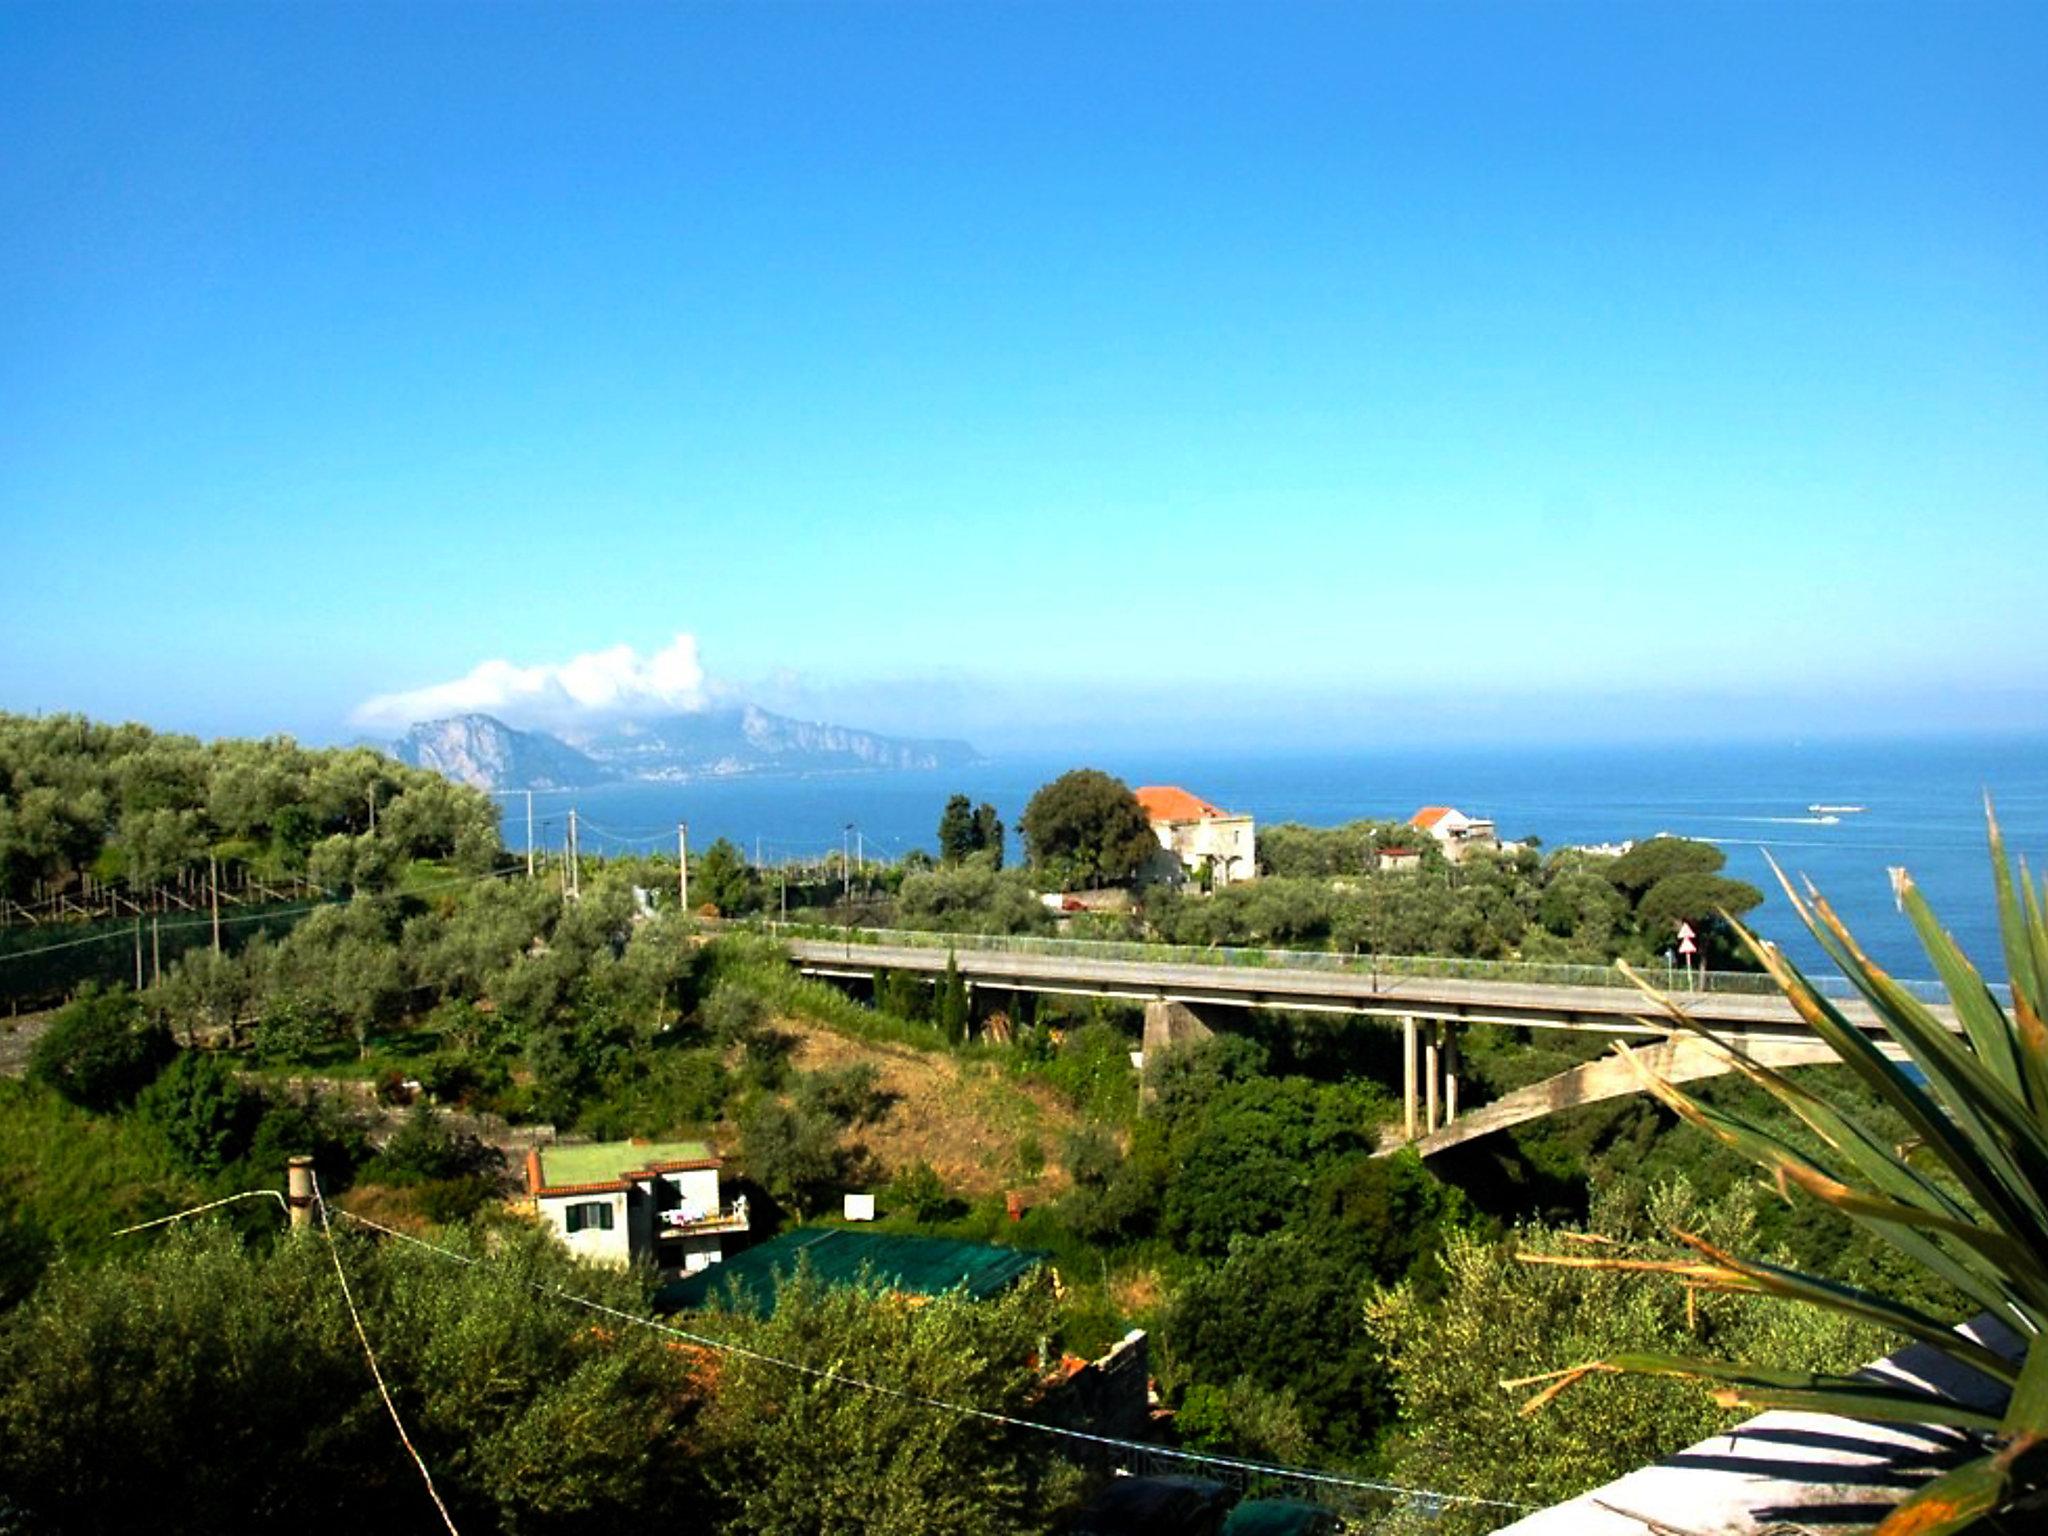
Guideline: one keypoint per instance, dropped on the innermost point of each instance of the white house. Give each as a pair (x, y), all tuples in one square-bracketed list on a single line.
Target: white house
[(1193, 835), (1456, 833), (622, 1202)]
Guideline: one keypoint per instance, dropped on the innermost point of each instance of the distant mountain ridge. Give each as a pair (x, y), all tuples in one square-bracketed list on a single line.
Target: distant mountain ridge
[(482, 751), (486, 753)]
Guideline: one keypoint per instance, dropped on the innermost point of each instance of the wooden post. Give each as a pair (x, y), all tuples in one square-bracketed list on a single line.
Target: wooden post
[(1408, 1074), (1450, 1075), (213, 894), (683, 866), (298, 1176), (1432, 1078)]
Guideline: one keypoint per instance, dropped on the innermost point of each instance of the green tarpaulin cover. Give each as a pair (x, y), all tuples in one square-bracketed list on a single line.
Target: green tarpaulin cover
[(924, 1266)]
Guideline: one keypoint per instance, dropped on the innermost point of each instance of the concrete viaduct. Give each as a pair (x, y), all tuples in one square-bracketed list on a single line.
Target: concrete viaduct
[(1430, 1009)]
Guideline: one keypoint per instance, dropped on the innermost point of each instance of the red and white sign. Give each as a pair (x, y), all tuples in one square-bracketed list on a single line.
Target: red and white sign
[(1687, 947), (1686, 934)]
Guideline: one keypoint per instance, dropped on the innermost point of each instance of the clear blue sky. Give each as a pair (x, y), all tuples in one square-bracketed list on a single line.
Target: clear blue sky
[(1041, 371)]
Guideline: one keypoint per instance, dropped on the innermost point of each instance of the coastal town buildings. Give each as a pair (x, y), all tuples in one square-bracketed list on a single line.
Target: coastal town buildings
[(626, 1202), (1455, 832), (1196, 837)]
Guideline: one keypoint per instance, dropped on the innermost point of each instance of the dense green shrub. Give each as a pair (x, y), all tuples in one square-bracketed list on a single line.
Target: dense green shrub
[(1487, 1319), (205, 1386), (852, 1095), (100, 1051), (793, 1455), (793, 1152), (922, 1195), (423, 1149), (203, 1113)]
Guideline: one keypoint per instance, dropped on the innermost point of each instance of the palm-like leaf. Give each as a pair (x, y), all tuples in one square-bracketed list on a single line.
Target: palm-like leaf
[(1977, 1106)]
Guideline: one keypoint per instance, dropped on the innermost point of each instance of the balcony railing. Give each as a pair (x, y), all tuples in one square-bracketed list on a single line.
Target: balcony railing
[(685, 1223)]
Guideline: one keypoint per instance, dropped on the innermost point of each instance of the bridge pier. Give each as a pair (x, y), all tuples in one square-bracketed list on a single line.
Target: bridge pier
[(1168, 1025), (1430, 1086), (1432, 1076), (1408, 1075)]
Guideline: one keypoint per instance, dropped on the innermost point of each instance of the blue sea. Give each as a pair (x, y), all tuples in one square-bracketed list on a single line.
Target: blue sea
[(1923, 804)]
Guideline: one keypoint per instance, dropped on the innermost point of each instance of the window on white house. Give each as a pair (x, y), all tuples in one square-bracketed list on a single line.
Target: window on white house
[(595, 1215)]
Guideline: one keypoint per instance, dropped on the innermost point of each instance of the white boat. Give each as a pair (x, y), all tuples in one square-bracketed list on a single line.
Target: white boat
[(1837, 810)]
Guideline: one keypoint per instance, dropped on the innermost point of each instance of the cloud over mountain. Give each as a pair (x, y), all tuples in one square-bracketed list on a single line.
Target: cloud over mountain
[(617, 683)]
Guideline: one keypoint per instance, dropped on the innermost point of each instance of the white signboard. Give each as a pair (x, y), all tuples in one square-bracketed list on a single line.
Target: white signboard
[(860, 1207)]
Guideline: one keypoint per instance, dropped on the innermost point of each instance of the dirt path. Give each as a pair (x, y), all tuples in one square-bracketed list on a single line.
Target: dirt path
[(18, 1036)]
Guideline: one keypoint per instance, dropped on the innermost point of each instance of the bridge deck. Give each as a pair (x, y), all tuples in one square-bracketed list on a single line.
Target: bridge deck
[(1617, 1010)]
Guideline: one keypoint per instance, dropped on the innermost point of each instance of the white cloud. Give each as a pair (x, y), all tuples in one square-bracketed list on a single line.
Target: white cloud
[(613, 684)]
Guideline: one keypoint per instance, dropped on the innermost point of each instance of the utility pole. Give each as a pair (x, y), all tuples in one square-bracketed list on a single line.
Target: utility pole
[(373, 808), (683, 866), (529, 834), (573, 876), (213, 892), (156, 955), (138, 953), (845, 863), (860, 856)]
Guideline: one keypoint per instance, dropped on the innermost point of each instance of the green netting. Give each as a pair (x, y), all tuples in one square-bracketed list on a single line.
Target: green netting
[(1278, 1517), (924, 1266), (45, 964)]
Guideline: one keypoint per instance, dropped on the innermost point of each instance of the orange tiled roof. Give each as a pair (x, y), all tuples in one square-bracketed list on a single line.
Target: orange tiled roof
[(1429, 815), (1169, 802)]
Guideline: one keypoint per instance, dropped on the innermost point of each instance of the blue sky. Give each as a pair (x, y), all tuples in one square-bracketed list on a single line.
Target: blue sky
[(1045, 374)]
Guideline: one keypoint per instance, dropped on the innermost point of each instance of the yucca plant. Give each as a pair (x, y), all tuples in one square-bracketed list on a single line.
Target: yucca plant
[(1966, 1199)]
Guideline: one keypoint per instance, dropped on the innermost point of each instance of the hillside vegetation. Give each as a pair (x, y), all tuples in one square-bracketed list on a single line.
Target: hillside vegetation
[(1299, 1290)]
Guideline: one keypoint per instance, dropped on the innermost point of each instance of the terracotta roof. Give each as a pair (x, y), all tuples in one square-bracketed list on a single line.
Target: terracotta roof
[(1169, 802), (1429, 815)]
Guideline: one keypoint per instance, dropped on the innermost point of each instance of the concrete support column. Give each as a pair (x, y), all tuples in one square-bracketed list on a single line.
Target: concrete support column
[(1408, 1075), (1167, 1025), (1432, 1078), (1450, 1073)]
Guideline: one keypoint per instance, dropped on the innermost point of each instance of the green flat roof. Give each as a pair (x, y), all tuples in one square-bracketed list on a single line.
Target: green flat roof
[(923, 1266), (602, 1162)]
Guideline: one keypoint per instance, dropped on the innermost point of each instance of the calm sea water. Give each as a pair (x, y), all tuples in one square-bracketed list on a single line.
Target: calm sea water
[(1924, 802)]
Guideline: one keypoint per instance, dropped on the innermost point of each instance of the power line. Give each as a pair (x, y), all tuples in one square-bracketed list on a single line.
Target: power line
[(376, 1372), (839, 1378), (247, 1194)]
